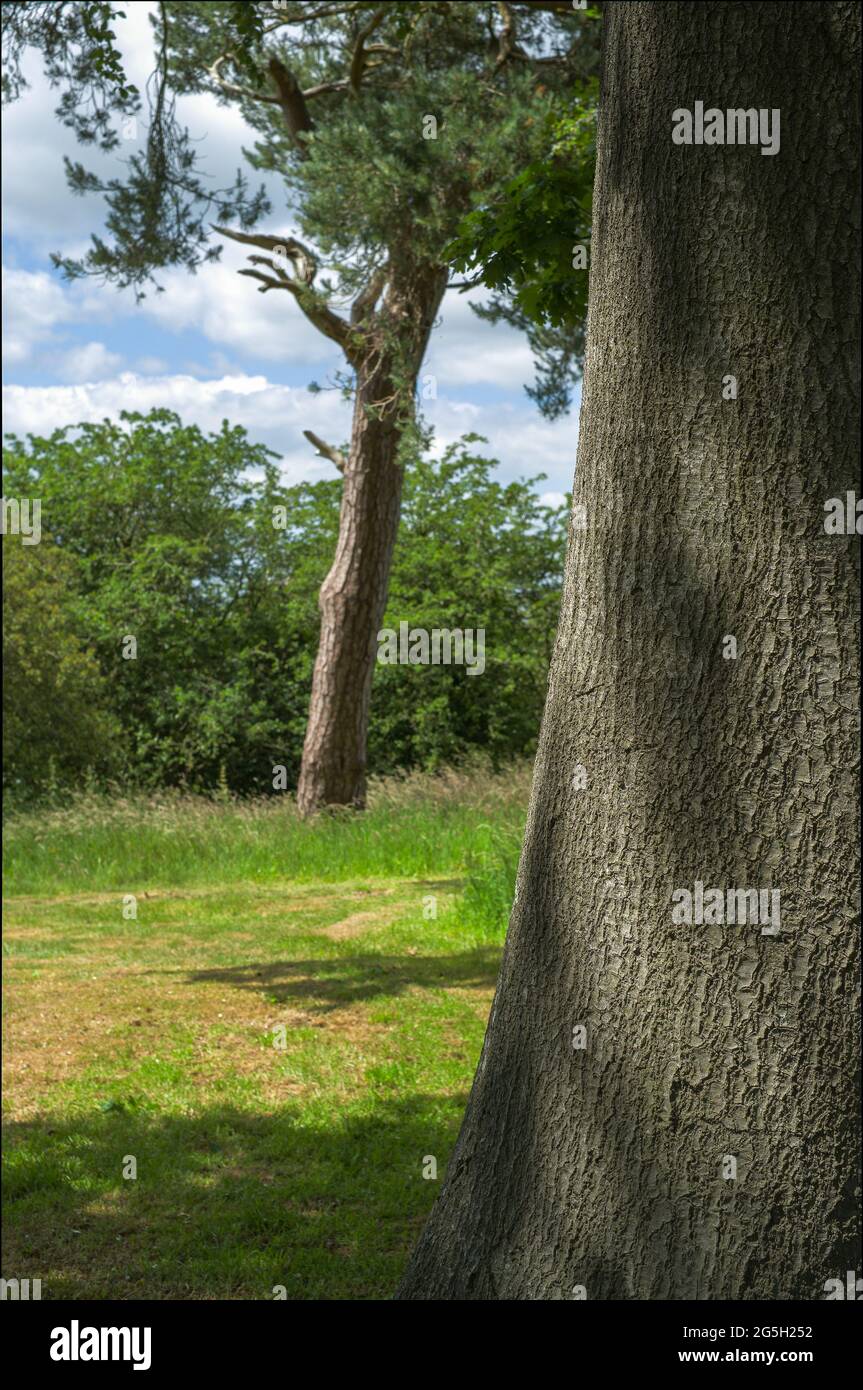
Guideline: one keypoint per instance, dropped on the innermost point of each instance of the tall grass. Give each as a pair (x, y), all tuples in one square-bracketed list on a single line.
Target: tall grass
[(422, 825), (490, 885)]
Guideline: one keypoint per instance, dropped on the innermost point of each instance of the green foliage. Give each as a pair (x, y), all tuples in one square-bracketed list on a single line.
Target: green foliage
[(158, 212), (80, 56), (471, 553), (56, 721), (167, 535), (339, 97), (175, 546), (520, 246), (371, 181), (522, 242)]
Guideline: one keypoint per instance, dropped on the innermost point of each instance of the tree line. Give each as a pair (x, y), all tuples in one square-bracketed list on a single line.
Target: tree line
[(389, 125), (162, 632)]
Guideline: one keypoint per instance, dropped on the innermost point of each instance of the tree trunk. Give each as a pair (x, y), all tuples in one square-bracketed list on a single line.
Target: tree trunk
[(606, 1171), (354, 593)]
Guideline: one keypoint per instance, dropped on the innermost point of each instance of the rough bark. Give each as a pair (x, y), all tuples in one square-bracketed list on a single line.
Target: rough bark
[(602, 1168), (354, 593)]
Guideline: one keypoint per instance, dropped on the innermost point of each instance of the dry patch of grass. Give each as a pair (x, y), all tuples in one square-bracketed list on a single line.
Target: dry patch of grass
[(278, 1059), (65, 1011), (277, 1056), (359, 923)]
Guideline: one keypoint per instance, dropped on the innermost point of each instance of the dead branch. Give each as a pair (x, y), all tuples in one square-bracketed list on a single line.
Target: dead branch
[(326, 450)]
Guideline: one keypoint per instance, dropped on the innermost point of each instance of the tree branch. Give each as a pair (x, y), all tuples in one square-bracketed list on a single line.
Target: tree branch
[(358, 61), (296, 252), (339, 86), (326, 450), (231, 89), (305, 18), (369, 295), (300, 285), (292, 102), (506, 39), (266, 282)]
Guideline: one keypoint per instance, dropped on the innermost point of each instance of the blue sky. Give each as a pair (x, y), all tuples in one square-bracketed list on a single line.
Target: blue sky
[(211, 347)]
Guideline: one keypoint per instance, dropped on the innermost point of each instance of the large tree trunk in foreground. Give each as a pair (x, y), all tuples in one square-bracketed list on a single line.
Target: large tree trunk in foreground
[(354, 593), (604, 1169)]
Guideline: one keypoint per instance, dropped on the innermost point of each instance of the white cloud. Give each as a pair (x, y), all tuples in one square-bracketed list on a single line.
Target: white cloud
[(218, 303), (87, 363), (525, 443), (39, 310), (227, 309), (196, 345), (276, 415), (465, 350), (273, 415), (33, 305)]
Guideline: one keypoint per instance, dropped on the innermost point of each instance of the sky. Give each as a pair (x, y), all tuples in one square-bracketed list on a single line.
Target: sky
[(211, 347)]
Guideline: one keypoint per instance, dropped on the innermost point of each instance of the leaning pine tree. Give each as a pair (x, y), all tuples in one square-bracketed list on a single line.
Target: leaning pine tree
[(665, 1109), (389, 123)]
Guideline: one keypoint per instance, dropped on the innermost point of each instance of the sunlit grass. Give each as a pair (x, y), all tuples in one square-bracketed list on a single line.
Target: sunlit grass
[(372, 941), (420, 825)]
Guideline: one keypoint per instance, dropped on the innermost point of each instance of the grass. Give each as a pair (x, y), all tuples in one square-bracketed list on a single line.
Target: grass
[(277, 1042), (419, 826)]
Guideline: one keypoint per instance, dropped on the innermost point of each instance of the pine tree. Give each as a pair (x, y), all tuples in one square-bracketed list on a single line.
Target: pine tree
[(388, 123)]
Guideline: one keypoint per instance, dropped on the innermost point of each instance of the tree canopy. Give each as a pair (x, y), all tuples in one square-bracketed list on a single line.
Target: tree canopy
[(387, 123), (189, 543)]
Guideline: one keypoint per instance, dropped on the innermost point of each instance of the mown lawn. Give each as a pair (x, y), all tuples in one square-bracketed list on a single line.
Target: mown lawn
[(279, 1053)]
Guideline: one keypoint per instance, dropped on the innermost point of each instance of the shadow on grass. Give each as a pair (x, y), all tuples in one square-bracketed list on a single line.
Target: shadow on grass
[(442, 885), (335, 981), (226, 1204)]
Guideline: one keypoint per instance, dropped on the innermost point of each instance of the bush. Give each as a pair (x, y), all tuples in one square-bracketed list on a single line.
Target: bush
[(168, 535)]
